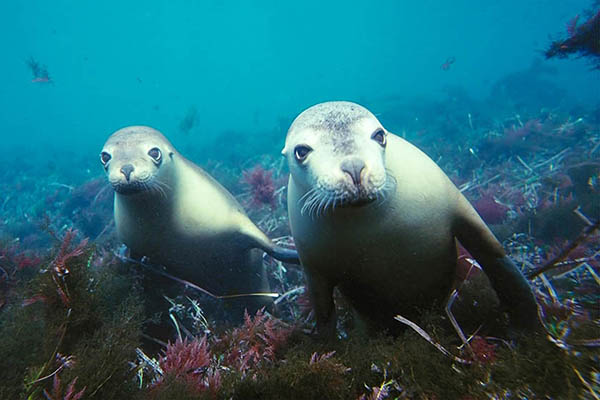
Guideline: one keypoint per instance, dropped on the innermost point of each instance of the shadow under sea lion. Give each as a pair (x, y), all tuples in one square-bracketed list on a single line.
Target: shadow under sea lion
[(376, 217)]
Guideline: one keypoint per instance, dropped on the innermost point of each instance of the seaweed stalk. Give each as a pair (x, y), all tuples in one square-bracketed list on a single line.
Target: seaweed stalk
[(552, 264), (426, 336), (32, 387)]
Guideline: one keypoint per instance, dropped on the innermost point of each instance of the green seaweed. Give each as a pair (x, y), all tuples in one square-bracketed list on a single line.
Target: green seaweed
[(97, 339), (84, 323), (410, 367)]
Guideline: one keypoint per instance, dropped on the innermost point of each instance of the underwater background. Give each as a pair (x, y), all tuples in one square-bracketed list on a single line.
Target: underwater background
[(250, 67), (468, 82)]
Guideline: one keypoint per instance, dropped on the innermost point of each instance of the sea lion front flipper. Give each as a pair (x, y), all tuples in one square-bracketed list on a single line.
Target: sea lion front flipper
[(320, 291), (510, 284), (282, 254), (258, 239)]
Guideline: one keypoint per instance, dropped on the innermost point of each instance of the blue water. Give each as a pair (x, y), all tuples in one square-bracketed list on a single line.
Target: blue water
[(250, 67), (517, 133)]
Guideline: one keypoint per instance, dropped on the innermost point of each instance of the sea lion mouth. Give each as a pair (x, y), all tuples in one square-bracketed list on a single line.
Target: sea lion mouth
[(152, 186), (319, 200), (133, 186), (357, 202), (129, 188)]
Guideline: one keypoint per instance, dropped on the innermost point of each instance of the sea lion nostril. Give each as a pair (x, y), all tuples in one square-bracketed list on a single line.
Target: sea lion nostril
[(353, 167), (126, 170)]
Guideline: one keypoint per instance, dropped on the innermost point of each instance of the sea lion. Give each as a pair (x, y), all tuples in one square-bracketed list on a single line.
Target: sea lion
[(170, 210), (373, 215)]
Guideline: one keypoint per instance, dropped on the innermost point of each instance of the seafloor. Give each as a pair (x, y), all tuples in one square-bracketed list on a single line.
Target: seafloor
[(74, 317)]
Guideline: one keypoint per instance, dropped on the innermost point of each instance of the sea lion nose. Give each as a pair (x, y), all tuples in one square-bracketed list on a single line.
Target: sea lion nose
[(353, 167), (126, 170)]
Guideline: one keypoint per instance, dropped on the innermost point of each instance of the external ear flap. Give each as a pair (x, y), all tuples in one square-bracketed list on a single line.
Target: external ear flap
[(171, 155)]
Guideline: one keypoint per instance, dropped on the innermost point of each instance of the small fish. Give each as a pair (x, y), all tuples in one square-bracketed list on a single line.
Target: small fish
[(41, 79), (449, 61), (39, 71)]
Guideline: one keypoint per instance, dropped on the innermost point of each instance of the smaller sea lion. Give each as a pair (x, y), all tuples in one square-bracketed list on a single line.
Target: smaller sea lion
[(376, 217), (170, 210)]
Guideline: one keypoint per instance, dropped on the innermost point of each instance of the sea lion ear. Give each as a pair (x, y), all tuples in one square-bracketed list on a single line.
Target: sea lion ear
[(171, 155)]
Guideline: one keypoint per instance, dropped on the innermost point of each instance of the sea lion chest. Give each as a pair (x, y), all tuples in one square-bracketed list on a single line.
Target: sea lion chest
[(179, 230), (400, 251)]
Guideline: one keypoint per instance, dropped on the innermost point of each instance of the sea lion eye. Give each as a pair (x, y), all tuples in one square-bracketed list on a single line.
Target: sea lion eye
[(301, 152), (105, 158), (155, 154), (380, 137)]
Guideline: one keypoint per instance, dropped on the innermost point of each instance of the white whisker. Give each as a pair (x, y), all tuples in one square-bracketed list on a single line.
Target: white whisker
[(388, 187), (157, 187)]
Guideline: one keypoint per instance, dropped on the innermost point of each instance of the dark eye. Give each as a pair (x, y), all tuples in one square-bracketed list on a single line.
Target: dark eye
[(379, 137), (301, 152), (155, 154), (104, 158)]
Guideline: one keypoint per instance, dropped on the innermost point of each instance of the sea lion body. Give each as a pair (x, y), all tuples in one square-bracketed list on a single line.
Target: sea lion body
[(197, 232), (178, 216), (386, 234), (393, 254)]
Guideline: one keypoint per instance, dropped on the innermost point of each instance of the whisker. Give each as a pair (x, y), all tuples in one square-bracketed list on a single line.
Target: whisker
[(388, 187), (311, 203), (305, 200), (306, 207), (155, 186), (162, 187), (307, 194), (314, 209), (145, 186), (160, 190), (328, 201), (320, 205), (150, 187), (163, 184)]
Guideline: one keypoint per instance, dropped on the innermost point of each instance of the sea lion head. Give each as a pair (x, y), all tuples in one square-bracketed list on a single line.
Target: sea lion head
[(135, 158), (336, 155)]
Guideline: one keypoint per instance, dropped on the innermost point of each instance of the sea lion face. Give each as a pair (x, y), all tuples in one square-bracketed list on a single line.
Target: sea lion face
[(134, 158), (336, 155)]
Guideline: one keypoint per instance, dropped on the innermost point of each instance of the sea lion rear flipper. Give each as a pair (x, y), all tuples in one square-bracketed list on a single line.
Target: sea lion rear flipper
[(509, 283), (282, 254)]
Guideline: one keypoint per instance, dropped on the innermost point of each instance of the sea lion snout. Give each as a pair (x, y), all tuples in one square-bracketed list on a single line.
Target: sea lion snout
[(126, 170), (359, 184), (354, 167)]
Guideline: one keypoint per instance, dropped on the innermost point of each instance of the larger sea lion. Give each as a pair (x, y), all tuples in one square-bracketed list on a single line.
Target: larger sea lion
[(373, 215), (168, 209)]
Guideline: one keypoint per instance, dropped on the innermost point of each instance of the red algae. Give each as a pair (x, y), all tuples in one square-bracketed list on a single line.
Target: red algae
[(490, 210), (262, 186)]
